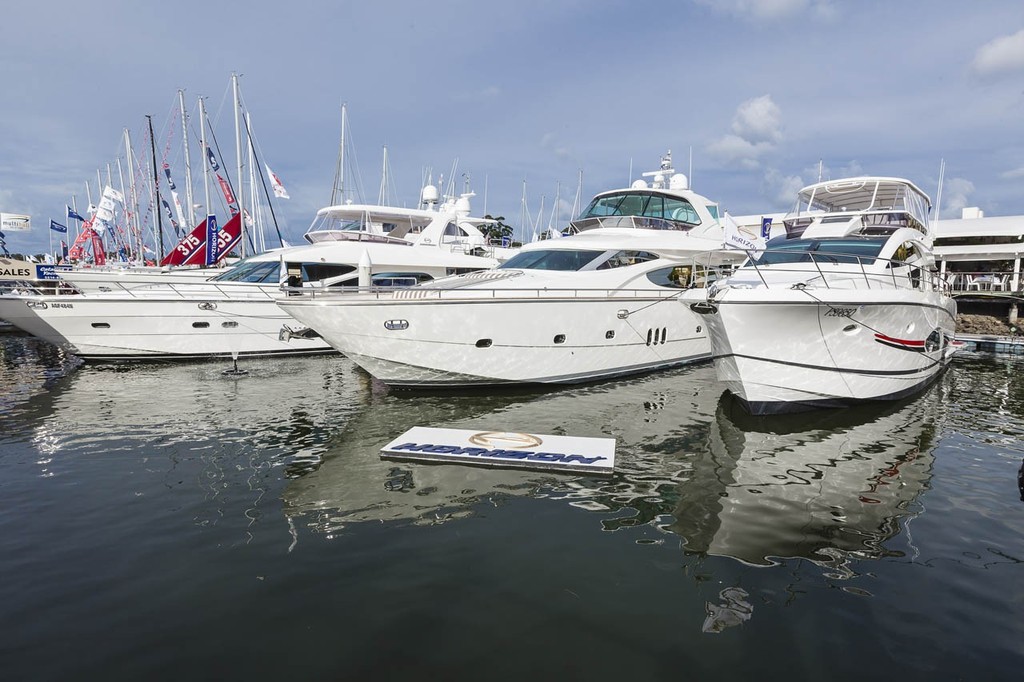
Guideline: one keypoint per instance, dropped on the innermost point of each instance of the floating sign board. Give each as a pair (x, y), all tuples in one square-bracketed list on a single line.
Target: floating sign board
[(13, 222), (16, 269), (504, 449)]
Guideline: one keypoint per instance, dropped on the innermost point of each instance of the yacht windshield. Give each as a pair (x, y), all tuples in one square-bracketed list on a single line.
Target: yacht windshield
[(839, 250), (645, 204), (551, 259), (251, 271)]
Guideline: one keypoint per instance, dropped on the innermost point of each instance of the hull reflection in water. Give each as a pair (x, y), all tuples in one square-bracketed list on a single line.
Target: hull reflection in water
[(658, 422), (827, 487)]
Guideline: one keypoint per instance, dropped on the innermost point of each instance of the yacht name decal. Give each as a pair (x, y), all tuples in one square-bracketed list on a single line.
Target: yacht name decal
[(841, 312)]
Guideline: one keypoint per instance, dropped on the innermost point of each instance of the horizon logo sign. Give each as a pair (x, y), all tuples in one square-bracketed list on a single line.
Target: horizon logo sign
[(507, 449)]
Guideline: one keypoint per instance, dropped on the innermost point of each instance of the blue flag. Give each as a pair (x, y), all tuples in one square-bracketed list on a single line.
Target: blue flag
[(74, 214), (766, 227), (57, 227), (212, 236), (167, 172), (213, 159)]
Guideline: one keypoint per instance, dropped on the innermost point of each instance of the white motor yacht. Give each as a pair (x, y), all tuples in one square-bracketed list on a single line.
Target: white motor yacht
[(234, 314), (847, 306), (605, 301)]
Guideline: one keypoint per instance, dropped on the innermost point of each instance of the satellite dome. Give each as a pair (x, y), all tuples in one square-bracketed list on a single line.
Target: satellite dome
[(638, 184), (679, 181), (429, 195)]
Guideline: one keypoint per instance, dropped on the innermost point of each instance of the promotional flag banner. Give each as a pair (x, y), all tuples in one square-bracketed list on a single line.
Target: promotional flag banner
[(74, 214), (735, 238), (766, 228), (213, 159), (228, 196), (170, 216), (275, 182), (167, 172), (57, 227), (211, 239)]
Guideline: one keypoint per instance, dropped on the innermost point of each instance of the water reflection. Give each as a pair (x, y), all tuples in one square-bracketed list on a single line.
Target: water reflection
[(827, 486)]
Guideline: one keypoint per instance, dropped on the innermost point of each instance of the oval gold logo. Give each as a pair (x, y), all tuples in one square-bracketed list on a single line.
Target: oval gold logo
[(505, 439)]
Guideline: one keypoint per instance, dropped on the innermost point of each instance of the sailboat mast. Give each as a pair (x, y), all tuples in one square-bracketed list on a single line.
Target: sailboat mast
[(240, 194), (206, 158), (124, 207), (338, 191), (382, 195), (259, 241), (134, 195), (156, 189), (188, 160)]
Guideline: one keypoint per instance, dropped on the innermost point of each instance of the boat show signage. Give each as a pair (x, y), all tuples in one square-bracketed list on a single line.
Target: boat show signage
[(504, 449), (14, 222)]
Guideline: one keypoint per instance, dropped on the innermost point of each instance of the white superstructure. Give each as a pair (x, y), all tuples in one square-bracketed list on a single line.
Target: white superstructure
[(234, 313), (847, 306), (608, 300)]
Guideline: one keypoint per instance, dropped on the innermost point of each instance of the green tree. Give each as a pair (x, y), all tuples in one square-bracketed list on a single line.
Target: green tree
[(498, 229)]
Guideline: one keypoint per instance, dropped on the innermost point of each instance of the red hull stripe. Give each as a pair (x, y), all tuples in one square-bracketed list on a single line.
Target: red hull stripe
[(907, 343)]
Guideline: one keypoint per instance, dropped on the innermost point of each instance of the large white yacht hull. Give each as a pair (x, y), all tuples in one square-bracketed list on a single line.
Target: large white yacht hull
[(157, 328), (525, 339), (790, 350)]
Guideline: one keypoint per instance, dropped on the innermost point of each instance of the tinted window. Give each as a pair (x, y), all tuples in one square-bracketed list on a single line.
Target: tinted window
[(561, 259), (782, 250), (251, 271)]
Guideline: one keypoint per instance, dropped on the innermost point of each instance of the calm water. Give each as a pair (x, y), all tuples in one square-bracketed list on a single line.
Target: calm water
[(170, 522)]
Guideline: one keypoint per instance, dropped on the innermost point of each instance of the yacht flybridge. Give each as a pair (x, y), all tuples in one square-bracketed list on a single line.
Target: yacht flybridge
[(605, 301), (847, 306), (448, 226)]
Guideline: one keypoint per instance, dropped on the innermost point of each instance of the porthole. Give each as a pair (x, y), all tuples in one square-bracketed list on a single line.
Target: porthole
[(483, 343), (559, 338), (664, 334), (657, 336), (699, 328), (610, 334), (101, 325), (650, 334), (850, 328), (200, 325), (230, 324)]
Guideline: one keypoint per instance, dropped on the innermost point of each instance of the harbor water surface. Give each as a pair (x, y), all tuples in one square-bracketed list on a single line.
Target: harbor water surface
[(175, 522)]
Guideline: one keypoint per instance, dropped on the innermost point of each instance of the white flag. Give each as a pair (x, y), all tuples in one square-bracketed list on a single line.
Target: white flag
[(112, 194), (735, 238), (275, 182)]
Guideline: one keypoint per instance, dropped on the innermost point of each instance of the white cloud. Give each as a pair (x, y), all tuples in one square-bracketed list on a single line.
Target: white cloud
[(756, 130), (549, 142), (1003, 54), (782, 189), (956, 193), (1013, 174), (758, 120), (771, 9)]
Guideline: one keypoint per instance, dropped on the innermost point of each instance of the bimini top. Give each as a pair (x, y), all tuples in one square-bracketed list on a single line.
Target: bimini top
[(864, 205)]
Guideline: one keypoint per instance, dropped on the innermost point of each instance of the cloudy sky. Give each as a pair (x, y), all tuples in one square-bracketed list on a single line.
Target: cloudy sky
[(757, 92)]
